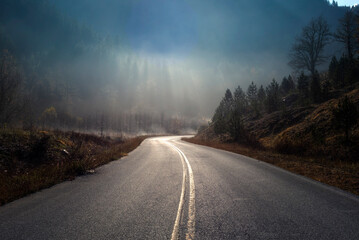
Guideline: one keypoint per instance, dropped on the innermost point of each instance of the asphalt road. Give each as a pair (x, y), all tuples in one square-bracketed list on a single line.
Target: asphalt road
[(167, 188)]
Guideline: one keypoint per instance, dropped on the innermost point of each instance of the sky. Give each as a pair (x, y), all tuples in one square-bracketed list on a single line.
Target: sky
[(180, 56), (347, 2)]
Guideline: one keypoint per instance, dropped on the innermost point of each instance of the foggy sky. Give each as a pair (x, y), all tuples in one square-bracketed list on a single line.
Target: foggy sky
[(347, 2), (180, 56)]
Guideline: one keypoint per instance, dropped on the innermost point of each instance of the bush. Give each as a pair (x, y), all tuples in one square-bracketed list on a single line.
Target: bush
[(284, 145), (345, 116), (39, 148)]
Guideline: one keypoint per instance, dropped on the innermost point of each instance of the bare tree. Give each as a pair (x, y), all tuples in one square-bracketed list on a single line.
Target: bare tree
[(9, 85), (307, 51), (346, 33)]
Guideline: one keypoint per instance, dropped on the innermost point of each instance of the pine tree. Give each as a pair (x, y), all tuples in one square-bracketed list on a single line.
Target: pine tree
[(291, 82), (303, 85), (240, 100), (252, 92), (347, 71), (315, 88), (285, 86), (261, 94), (252, 97), (235, 124), (272, 100), (325, 90), (221, 116), (333, 71)]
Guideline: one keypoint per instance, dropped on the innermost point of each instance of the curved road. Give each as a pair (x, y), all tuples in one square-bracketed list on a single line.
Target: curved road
[(168, 188)]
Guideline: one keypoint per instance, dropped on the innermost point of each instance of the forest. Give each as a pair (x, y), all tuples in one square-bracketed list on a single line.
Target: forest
[(56, 74)]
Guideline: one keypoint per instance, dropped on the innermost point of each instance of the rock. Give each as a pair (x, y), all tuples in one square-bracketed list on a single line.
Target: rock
[(64, 151)]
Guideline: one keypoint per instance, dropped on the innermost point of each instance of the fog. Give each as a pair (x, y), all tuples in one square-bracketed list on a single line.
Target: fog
[(189, 52), (156, 57)]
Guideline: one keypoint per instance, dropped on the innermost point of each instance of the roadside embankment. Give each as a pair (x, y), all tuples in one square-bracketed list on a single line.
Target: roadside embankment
[(33, 160)]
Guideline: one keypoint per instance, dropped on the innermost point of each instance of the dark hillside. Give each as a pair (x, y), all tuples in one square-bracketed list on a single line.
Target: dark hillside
[(303, 140)]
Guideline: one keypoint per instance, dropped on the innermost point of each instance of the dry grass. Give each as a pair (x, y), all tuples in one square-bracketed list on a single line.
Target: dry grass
[(316, 135), (31, 161), (341, 174)]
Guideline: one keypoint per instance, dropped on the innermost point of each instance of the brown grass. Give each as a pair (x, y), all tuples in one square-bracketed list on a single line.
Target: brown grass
[(341, 174), (31, 161)]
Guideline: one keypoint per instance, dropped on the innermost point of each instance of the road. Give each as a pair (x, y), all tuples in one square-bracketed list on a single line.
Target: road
[(168, 188)]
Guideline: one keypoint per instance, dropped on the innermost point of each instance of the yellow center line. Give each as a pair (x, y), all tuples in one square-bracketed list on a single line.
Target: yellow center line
[(191, 205), (180, 205)]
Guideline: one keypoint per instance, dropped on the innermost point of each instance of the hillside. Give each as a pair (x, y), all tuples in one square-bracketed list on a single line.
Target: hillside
[(304, 140), (308, 131)]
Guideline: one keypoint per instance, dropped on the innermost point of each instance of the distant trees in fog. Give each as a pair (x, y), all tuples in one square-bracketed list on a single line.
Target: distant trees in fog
[(252, 96), (222, 114), (10, 80), (18, 108), (53, 71)]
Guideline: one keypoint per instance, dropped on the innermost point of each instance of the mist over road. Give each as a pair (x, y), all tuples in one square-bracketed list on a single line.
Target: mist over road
[(168, 188)]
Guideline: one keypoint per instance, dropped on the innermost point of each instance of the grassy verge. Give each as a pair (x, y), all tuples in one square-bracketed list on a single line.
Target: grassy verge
[(344, 175), (31, 161)]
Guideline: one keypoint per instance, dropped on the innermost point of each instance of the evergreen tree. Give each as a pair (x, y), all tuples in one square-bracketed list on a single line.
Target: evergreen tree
[(315, 88), (235, 124), (291, 82), (346, 71), (272, 100), (253, 98), (252, 92), (333, 71), (286, 85), (261, 95), (240, 100), (228, 98), (221, 116), (325, 90), (303, 85)]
